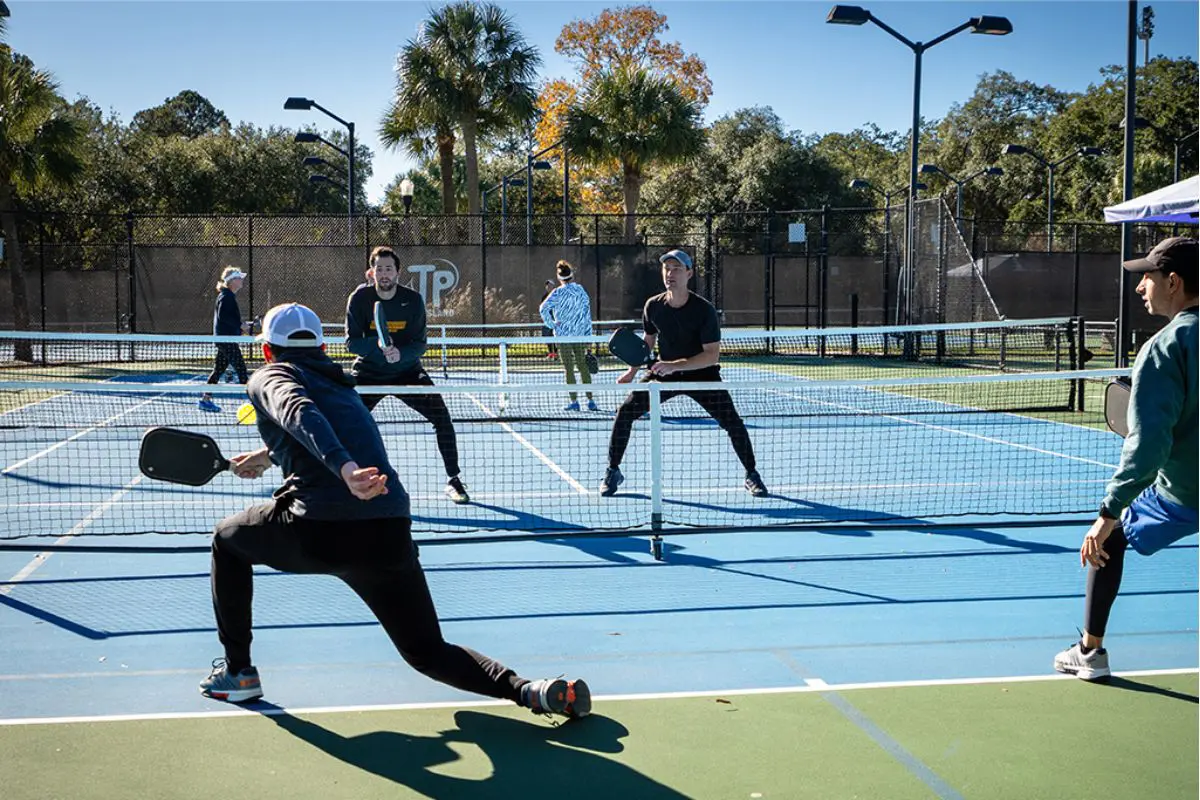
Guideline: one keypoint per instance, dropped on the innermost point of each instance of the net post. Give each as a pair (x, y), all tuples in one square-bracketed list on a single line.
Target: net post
[(854, 322), (656, 520), (1081, 393), (445, 356)]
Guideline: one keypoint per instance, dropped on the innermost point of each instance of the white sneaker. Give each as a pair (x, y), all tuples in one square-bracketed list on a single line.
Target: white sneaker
[(1091, 666)]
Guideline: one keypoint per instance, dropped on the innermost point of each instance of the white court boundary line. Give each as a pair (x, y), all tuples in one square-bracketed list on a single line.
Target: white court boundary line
[(812, 685), (954, 431), (41, 558), (97, 510), (545, 459)]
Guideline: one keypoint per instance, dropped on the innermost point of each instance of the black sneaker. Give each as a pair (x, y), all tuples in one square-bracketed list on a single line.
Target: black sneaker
[(456, 491), (612, 479), (571, 699), (755, 485)]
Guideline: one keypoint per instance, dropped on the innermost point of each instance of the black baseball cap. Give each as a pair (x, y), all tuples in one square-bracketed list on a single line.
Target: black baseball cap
[(1179, 254)]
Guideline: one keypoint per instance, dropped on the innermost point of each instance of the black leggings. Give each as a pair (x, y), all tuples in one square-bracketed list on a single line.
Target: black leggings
[(228, 354), (376, 558), (430, 406), (1103, 584), (716, 402)]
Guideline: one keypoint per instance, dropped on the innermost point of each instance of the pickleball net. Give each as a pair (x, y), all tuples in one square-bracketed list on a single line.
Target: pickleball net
[(746, 354), (929, 450)]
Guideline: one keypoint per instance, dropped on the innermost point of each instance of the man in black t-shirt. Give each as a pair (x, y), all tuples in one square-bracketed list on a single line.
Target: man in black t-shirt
[(685, 327), (400, 364)]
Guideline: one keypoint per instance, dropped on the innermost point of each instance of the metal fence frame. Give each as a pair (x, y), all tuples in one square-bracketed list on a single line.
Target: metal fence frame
[(845, 271)]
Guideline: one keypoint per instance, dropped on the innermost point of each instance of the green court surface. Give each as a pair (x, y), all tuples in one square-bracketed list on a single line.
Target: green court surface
[(1055, 738)]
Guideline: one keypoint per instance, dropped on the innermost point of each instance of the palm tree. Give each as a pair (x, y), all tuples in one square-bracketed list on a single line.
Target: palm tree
[(635, 119), (421, 117), (480, 72), (39, 144)]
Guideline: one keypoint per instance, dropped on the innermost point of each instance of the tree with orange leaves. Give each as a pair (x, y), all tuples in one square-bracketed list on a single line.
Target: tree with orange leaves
[(624, 40)]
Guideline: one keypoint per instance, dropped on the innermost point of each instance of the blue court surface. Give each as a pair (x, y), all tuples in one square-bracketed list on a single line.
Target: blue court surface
[(94, 634), (756, 606)]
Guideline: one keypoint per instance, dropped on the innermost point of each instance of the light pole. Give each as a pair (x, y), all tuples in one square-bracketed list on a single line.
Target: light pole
[(1178, 142), (1051, 166), (855, 15), (530, 166), (505, 182), (305, 104), (1141, 122), (863, 183), (928, 169)]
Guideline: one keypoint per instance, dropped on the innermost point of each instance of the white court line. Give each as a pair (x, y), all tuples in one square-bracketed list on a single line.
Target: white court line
[(545, 459), (37, 561), (811, 687), (70, 439), (41, 558), (955, 431)]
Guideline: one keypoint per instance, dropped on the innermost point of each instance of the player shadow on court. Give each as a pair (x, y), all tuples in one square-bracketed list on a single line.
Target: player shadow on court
[(1130, 685), (621, 549), (527, 758), (504, 519), (836, 514)]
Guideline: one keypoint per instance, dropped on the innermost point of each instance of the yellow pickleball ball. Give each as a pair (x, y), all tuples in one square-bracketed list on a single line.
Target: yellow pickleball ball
[(246, 415)]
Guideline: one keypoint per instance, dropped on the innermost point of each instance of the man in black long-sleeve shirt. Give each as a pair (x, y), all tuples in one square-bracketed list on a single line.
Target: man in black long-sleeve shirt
[(400, 364), (340, 511)]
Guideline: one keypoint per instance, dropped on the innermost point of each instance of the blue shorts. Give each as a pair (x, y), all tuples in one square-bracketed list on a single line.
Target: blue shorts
[(1152, 522)]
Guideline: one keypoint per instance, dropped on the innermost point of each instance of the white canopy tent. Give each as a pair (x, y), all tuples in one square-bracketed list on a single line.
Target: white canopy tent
[(1179, 202)]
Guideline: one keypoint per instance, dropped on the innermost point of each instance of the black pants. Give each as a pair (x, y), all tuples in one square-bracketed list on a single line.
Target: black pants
[(228, 354), (716, 402), (1103, 584), (376, 558), (430, 406)]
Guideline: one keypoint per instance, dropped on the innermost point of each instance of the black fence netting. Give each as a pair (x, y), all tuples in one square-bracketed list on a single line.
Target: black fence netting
[(772, 269)]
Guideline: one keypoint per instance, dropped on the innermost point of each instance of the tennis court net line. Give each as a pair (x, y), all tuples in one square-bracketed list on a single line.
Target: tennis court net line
[(936, 451), (747, 354)]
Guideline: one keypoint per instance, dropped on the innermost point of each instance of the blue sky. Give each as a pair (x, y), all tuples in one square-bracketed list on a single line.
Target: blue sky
[(247, 56)]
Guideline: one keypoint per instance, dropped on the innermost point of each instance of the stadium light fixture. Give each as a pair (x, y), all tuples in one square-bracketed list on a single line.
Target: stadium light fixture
[(991, 26), (4, 9), (959, 184), (315, 161), (326, 179), (848, 15), (1051, 166), (856, 15), (307, 104)]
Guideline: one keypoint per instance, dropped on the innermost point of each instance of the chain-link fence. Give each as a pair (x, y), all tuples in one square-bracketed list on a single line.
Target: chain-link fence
[(807, 268)]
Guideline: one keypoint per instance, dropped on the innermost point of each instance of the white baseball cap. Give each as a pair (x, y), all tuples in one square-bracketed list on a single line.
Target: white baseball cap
[(292, 325), (232, 274)]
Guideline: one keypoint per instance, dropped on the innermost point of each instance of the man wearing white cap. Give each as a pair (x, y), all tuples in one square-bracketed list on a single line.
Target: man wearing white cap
[(340, 511), (227, 321)]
